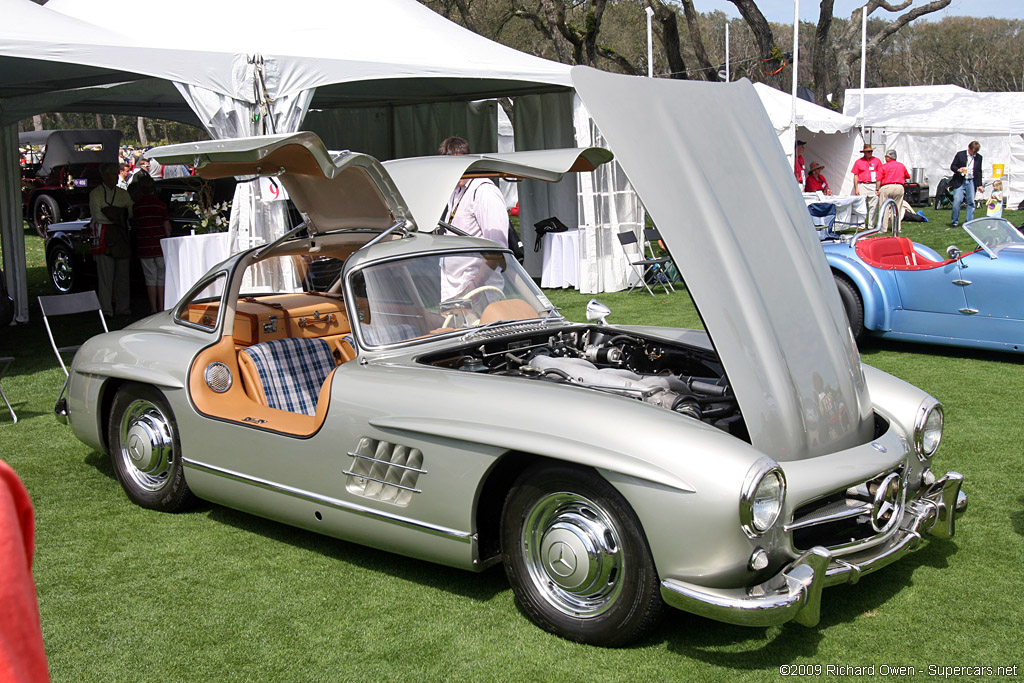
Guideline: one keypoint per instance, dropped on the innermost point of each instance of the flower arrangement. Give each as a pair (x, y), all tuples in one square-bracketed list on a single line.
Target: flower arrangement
[(211, 217)]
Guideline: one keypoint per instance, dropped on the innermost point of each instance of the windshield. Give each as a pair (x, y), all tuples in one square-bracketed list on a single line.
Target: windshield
[(993, 234), (423, 296)]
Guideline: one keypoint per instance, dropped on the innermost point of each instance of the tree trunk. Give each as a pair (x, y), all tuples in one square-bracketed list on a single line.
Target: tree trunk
[(99, 121), (820, 56), (37, 122), (668, 34), (140, 124), (708, 72), (763, 38)]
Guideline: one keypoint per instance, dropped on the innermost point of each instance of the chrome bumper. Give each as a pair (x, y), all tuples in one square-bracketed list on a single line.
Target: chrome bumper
[(794, 594)]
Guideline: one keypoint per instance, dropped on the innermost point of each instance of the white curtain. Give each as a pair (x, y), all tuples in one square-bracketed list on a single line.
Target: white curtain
[(11, 225), (607, 206)]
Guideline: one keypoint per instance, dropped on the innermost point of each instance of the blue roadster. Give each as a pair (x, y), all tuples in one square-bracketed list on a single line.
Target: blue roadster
[(894, 288)]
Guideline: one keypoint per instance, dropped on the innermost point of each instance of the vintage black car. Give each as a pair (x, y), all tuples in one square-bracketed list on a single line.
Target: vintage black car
[(68, 259), (56, 187)]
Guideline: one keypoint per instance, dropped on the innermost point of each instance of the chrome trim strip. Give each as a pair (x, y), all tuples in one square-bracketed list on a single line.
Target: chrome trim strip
[(380, 481), (385, 462), (463, 536)]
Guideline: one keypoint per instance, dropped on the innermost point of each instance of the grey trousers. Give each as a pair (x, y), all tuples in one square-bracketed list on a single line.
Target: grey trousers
[(114, 291)]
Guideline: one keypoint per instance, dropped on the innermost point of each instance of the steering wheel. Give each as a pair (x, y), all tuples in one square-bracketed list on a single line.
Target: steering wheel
[(469, 295), (479, 290)]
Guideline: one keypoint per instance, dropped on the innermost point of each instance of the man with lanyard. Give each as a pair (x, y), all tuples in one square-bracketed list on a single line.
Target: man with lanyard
[(109, 207), (966, 169), (799, 170), (476, 207), (865, 172), (891, 178)]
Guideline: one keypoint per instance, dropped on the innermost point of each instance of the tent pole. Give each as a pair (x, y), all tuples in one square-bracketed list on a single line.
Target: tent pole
[(863, 58), (796, 69)]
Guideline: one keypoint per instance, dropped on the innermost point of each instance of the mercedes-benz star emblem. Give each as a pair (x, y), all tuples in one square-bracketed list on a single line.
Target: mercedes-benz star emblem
[(562, 559)]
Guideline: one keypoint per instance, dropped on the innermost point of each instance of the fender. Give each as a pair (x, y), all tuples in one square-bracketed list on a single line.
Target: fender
[(541, 444), (878, 301)]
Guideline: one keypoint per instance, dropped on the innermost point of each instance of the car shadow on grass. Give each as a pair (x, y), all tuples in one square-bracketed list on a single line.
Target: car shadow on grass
[(482, 586), (759, 648), (871, 346)]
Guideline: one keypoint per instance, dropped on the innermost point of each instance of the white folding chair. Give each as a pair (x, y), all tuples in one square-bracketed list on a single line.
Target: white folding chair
[(69, 304)]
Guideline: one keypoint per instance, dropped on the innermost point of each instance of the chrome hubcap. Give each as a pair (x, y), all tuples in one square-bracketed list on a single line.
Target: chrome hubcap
[(147, 448), (62, 271), (573, 555)]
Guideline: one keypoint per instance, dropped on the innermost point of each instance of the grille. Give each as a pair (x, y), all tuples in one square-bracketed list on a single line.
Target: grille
[(384, 471), (850, 517)]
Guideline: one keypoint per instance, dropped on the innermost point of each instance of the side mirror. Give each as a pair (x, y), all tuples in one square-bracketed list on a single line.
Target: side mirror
[(952, 251), (597, 312)]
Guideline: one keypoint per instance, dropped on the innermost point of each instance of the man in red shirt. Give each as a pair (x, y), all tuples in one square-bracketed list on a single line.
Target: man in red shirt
[(891, 177), (799, 170), (865, 172), (815, 181), (152, 224)]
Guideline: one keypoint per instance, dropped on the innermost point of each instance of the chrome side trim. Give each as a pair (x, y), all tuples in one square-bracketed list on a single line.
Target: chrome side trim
[(383, 462), (301, 494), (382, 481), (825, 516)]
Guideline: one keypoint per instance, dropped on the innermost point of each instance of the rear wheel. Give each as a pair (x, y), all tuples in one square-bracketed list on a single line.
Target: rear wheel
[(61, 264), (852, 305), (45, 210), (577, 557), (145, 450)]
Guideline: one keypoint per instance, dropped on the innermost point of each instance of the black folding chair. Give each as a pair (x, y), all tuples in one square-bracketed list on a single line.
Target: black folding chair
[(68, 304), (644, 265)]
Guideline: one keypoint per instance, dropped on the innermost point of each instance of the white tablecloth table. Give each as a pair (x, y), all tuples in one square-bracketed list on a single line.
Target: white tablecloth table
[(849, 208), (561, 259), (186, 259)]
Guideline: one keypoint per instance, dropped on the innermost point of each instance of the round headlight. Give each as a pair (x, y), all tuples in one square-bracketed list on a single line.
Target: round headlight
[(764, 491), (928, 431)]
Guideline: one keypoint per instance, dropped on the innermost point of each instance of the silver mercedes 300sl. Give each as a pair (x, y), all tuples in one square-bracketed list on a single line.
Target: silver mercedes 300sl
[(366, 378)]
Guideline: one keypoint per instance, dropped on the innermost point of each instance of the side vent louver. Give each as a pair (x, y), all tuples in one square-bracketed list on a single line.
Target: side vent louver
[(384, 471)]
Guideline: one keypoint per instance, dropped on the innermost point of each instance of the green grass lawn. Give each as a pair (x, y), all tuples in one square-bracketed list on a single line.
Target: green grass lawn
[(217, 595)]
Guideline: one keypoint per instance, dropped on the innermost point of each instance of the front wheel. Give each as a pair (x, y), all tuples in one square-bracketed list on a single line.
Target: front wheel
[(577, 557), (145, 450), (61, 264), (852, 305)]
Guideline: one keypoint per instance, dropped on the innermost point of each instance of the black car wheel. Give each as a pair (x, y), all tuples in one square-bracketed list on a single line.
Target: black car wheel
[(145, 449), (60, 262), (45, 210), (577, 557), (852, 305)]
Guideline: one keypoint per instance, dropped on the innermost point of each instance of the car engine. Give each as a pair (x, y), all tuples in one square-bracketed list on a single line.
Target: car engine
[(686, 380)]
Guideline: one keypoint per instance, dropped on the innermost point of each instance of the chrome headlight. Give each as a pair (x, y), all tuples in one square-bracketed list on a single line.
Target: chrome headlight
[(764, 491), (928, 430)]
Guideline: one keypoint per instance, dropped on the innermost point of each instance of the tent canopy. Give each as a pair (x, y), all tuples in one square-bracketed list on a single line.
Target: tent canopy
[(927, 125), (832, 138), (237, 66)]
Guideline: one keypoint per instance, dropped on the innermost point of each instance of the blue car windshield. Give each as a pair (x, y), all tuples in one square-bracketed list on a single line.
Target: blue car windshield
[(994, 234)]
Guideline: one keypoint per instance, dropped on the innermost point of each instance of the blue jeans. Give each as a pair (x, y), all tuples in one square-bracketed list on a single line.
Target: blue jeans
[(958, 196)]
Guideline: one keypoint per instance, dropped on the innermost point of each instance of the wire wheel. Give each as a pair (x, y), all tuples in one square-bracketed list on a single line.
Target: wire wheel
[(62, 269)]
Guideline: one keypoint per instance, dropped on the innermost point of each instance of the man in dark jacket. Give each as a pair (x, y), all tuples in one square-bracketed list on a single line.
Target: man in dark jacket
[(966, 169)]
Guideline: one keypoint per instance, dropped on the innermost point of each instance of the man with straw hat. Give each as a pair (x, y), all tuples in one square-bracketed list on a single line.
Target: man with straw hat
[(865, 180)]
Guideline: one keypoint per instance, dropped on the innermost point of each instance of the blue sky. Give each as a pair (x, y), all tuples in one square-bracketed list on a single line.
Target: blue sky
[(781, 11)]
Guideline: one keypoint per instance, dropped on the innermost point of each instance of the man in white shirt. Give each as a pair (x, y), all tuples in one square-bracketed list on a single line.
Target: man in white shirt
[(476, 207)]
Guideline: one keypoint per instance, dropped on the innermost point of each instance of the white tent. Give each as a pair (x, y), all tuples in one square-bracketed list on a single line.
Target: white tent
[(832, 138), (927, 125), (243, 68)]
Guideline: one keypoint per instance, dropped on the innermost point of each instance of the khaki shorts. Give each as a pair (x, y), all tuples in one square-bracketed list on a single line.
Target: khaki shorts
[(153, 271)]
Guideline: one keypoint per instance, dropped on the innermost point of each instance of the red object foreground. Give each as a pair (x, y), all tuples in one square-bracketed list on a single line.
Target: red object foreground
[(22, 658)]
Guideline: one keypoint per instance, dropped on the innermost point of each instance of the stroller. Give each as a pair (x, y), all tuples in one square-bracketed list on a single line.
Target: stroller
[(944, 194)]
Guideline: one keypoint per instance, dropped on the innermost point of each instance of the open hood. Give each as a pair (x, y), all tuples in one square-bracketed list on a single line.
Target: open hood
[(707, 165), (427, 182), (333, 191)]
